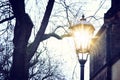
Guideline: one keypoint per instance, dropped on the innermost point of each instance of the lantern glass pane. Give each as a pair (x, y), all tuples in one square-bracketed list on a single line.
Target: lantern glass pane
[(82, 56), (82, 35)]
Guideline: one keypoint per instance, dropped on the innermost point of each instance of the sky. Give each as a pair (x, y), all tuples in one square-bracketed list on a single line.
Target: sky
[(63, 50), (71, 67), (96, 8), (93, 10)]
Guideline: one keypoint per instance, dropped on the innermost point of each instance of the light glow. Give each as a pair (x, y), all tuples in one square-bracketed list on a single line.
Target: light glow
[(82, 35), (82, 40)]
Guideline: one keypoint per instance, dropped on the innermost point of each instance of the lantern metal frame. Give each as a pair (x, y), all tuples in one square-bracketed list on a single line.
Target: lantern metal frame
[(80, 49)]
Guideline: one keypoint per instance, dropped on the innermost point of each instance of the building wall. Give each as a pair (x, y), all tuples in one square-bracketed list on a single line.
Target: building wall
[(105, 53), (102, 75), (115, 38), (98, 54), (116, 71)]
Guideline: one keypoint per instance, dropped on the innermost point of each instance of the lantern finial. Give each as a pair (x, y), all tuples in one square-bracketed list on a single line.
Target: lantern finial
[(83, 18)]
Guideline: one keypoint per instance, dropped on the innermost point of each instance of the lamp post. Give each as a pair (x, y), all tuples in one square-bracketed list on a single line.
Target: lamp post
[(82, 34)]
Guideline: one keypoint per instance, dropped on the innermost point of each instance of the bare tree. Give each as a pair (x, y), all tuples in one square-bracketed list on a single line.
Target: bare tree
[(22, 31), (6, 49), (23, 26), (46, 67), (25, 55)]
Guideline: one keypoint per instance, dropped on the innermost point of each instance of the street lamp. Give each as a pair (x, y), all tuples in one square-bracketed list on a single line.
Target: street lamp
[(82, 34)]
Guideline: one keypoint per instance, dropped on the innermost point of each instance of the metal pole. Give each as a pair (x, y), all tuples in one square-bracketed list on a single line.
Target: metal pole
[(82, 62)]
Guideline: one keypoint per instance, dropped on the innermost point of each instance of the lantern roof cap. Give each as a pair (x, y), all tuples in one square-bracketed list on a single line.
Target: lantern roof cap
[(82, 23)]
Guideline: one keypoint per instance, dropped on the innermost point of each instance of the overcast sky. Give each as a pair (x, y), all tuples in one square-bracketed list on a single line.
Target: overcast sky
[(96, 8), (64, 48)]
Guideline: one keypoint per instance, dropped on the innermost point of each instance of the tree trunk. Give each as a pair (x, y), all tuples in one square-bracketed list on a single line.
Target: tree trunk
[(22, 31), (19, 69)]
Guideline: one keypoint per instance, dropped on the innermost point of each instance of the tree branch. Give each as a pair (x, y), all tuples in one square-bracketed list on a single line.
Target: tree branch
[(47, 76), (18, 7), (46, 36), (10, 18), (33, 47)]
